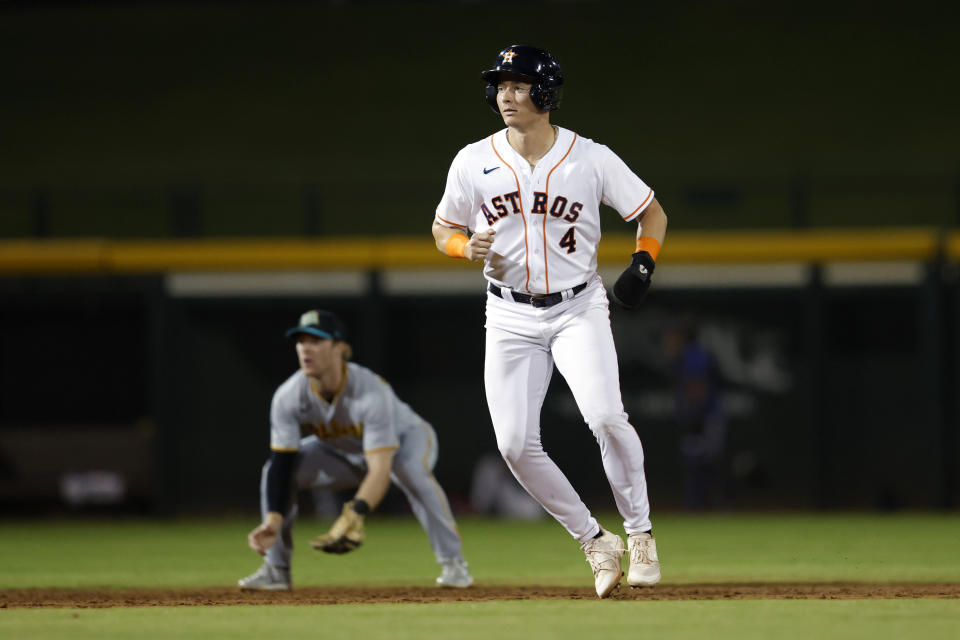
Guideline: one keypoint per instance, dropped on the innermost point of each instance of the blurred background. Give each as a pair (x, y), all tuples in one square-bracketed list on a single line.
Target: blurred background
[(179, 181)]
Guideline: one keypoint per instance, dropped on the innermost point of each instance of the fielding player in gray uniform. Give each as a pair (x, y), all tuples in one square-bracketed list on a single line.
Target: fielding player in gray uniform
[(362, 435)]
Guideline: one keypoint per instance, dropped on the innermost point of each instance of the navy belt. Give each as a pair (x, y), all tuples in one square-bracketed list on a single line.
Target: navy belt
[(539, 301)]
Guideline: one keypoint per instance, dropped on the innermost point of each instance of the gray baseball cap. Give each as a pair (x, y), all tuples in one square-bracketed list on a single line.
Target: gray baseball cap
[(322, 324)]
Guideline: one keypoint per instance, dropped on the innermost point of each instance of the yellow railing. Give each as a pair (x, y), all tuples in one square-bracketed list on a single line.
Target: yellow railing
[(93, 256)]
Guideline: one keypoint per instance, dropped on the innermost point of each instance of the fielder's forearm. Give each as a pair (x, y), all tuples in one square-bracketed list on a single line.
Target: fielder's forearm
[(375, 484), (279, 480)]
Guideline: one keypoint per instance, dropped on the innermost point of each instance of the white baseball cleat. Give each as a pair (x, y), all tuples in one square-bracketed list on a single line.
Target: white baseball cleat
[(266, 578), (644, 563), (455, 574), (604, 555)]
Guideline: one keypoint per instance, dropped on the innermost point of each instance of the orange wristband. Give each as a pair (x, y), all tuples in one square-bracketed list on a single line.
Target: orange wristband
[(650, 245), (455, 244)]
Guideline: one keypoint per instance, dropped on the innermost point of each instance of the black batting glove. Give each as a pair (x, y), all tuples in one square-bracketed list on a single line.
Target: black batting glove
[(631, 287)]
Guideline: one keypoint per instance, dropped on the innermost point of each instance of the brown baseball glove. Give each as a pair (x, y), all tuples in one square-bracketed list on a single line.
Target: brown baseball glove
[(346, 534)]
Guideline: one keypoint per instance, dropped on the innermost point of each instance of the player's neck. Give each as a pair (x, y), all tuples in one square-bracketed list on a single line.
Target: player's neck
[(534, 142), (330, 382)]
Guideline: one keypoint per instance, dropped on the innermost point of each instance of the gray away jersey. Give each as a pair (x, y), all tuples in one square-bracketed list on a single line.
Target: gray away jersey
[(365, 416)]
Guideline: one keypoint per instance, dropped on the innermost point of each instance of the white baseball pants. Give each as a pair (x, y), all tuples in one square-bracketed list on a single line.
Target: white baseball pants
[(522, 345)]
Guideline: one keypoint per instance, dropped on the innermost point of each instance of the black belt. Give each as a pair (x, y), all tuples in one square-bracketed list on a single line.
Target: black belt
[(538, 301)]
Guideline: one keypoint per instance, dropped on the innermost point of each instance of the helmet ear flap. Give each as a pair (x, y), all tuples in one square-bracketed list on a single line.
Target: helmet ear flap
[(491, 94), (538, 97), (546, 98)]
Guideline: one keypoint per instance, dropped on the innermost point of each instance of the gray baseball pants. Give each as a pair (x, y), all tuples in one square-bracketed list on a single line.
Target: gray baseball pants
[(320, 466)]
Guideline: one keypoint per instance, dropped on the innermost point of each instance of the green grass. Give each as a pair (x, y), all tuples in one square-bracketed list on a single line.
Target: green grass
[(708, 548), (927, 619), (711, 548)]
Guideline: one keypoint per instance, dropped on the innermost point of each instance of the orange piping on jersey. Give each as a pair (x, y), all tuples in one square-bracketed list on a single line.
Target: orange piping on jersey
[(452, 224), (546, 270), (642, 205), (526, 251)]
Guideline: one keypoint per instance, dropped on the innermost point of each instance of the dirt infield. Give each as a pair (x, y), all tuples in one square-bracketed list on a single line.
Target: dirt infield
[(226, 596)]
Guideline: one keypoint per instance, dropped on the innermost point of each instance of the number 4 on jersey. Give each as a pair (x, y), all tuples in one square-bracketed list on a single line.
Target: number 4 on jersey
[(569, 241)]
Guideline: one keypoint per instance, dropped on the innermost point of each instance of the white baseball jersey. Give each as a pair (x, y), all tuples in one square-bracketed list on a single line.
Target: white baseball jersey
[(547, 218), (364, 416)]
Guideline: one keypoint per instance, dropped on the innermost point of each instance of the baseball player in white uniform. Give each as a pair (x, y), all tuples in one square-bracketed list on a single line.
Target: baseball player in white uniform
[(529, 197), (360, 435)]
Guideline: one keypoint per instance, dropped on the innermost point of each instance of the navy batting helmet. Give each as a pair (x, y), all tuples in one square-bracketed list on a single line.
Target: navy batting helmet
[(538, 65)]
